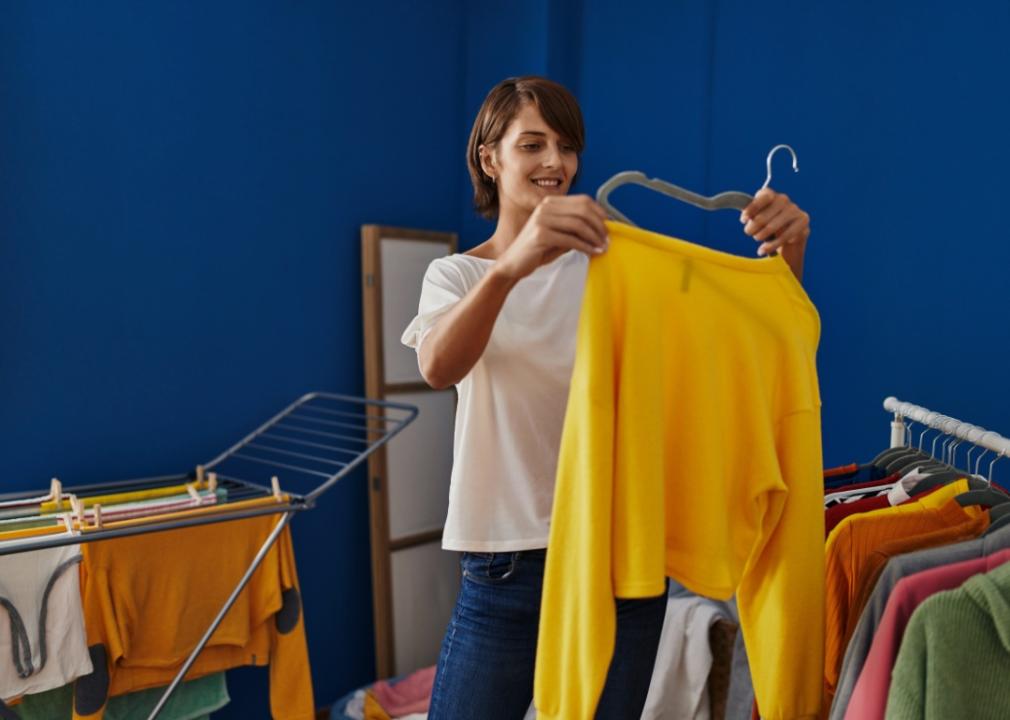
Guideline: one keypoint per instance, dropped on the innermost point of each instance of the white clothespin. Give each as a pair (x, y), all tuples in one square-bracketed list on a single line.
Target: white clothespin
[(56, 491), (68, 522), (76, 509), (212, 481), (276, 485), (199, 474), (97, 509), (191, 489)]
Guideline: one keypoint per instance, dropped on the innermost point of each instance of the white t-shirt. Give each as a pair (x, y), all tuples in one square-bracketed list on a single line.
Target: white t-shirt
[(511, 404)]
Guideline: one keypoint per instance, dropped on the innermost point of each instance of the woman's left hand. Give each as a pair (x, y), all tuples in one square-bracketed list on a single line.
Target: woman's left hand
[(774, 220)]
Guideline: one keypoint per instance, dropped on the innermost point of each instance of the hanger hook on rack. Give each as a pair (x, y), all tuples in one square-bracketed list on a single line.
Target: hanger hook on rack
[(953, 451), (908, 431), (979, 459), (981, 431), (768, 162), (1002, 453), (926, 426)]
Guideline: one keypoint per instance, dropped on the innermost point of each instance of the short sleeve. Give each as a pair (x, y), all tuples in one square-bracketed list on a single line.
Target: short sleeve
[(442, 288)]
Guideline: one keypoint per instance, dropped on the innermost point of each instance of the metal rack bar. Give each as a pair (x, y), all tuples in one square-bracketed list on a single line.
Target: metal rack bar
[(949, 426)]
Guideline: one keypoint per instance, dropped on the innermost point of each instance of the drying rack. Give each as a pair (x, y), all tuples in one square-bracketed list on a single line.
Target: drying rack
[(312, 443), (956, 429)]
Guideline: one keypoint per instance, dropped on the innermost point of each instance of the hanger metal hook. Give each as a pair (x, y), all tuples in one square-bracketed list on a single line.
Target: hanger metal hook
[(953, 450), (932, 448), (993, 463), (979, 459), (926, 423), (950, 427), (981, 432), (908, 431), (768, 162)]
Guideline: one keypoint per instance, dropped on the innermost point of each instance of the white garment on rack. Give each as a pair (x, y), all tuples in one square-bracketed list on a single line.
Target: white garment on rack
[(511, 404), (679, 686), (901, 492), (844, 496), (42, 640)]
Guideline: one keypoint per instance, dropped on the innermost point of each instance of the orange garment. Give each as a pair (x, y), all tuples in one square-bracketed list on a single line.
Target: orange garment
[(850, 545), (841, 470), (149, 598), (373, 709), (971, 528)]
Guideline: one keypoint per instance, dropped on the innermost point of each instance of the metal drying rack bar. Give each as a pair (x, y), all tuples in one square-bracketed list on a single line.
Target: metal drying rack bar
[(315, 441)]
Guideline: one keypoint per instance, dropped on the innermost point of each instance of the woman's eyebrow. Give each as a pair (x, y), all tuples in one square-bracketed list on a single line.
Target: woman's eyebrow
[(533, 132)]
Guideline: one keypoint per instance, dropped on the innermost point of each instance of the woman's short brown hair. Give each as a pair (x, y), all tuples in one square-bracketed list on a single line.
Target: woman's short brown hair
[(556, 104)]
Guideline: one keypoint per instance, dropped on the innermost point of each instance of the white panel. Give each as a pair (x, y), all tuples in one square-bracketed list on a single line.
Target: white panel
[(419, 462), (403, 266), (425, 584)]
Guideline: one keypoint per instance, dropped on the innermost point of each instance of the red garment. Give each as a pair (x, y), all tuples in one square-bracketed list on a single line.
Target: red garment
[(859, 486), (410, 695), (869, 696), (836, 513), (841, 470)]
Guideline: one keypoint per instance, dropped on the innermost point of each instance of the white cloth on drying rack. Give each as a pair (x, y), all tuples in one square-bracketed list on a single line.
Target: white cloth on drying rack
[(42, 640)]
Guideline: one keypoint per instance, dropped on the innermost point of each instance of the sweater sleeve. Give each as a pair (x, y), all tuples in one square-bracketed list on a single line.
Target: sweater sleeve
[(907, 695), (578, 612), (106, 644), (290, 679), (781, 593)]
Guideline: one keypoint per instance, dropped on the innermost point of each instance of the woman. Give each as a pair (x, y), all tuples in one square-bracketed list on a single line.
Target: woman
[(499, 323)]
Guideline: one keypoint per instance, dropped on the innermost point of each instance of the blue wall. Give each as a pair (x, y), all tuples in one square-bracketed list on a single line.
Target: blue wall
[(181, 191), (182, 185)]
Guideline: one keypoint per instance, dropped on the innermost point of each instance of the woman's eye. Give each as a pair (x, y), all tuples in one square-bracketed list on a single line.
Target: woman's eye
[(530, 146)]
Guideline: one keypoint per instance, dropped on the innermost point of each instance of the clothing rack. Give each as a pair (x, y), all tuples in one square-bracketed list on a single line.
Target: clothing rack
[(312, 443), (980, 437)]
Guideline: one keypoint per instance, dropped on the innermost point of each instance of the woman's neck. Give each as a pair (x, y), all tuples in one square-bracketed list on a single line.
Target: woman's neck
[(510, 222)]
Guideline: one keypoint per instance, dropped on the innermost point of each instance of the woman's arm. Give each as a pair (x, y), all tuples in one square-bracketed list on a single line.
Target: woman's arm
[(454, 345), (558, 224)]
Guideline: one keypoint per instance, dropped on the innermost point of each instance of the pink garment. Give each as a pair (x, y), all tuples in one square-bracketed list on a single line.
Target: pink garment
[(410, 695), (869, 696)]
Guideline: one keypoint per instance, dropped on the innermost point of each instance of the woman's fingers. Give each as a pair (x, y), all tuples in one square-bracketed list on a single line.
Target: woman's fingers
[(795, 232), (583, 224), (575, 226)]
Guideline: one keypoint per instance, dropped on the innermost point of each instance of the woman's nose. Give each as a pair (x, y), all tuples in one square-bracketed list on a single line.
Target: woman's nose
[(552, 158)]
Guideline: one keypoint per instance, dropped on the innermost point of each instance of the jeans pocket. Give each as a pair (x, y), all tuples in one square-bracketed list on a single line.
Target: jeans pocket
[(489, 568)]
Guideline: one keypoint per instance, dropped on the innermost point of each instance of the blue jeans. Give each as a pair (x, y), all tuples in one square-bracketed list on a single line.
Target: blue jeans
[(485, 669)]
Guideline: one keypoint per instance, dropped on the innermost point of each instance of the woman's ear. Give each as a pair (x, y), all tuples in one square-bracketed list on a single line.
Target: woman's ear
[(487, 163)]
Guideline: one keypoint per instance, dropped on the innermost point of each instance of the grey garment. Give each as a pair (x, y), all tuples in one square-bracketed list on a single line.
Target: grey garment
[(897, 568), (741, 689)]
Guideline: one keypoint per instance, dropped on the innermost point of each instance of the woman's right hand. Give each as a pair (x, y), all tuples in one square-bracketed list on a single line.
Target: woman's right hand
[(558, 224)]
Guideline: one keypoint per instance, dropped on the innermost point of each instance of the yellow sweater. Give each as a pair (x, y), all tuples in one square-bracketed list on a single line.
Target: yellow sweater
[(691, 448)]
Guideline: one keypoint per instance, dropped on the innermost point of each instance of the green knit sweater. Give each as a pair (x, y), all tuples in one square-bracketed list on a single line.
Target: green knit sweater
[(954, 660)]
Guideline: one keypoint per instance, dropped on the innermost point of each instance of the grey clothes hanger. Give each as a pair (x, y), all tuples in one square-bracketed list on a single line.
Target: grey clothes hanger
[(999, 517), (730, 200), (987, 496)]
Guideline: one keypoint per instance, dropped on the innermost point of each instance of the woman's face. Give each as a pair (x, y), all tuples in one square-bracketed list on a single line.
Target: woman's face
[(530, 162)]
